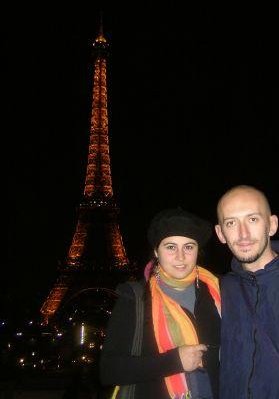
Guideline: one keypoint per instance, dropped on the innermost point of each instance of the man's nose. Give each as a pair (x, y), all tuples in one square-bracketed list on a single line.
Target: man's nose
[(243, 230)]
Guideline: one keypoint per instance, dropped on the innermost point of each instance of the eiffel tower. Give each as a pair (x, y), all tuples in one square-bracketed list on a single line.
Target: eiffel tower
[(96, 256)]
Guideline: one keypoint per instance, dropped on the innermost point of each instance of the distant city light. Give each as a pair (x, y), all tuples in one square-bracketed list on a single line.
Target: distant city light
[(82, 334)]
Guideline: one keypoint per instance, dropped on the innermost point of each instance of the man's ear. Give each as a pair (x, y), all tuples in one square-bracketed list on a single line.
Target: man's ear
[(219, 233), (273, 225)]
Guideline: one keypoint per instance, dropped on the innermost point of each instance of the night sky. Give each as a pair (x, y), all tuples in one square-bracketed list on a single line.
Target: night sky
[(193, 107)]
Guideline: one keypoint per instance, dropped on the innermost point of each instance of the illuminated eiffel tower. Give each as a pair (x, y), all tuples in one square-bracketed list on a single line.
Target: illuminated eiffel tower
[(96, 256)]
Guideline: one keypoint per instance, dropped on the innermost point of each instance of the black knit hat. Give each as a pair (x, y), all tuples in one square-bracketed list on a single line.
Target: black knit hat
[(177, 222)]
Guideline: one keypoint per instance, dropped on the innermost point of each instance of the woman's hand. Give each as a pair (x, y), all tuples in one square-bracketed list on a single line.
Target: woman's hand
[(191, 356)]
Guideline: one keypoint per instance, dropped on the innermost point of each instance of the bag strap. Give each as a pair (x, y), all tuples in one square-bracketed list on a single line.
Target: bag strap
[(128, 391), (138, 290)]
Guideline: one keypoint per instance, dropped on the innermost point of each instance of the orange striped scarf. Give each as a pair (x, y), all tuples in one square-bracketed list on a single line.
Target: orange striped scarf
[(172, 326)]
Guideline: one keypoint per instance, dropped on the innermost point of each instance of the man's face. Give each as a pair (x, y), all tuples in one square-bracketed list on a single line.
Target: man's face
[(245, 225)]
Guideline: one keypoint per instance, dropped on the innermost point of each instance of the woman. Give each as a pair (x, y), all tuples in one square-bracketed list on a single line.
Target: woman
[(180, 345)]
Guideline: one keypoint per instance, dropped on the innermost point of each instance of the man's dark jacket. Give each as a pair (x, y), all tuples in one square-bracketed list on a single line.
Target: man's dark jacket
[(250, 332)]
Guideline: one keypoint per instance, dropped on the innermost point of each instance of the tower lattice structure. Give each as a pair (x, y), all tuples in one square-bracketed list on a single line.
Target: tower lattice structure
[(97, 251)]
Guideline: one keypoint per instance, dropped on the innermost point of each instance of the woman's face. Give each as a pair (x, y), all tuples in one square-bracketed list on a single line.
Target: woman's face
[(177, 256)]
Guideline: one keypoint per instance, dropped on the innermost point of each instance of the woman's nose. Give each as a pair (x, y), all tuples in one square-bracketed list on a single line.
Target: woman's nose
[(180, 253)]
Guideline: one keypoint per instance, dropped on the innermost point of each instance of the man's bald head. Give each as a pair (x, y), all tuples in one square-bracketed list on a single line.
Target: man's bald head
[(242, 191)]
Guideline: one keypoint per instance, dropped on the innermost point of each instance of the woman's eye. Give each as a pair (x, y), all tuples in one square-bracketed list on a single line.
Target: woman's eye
[(189, 248)]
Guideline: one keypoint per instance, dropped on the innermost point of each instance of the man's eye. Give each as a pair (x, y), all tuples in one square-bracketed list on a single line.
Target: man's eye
[(230, 223), (253, 219)]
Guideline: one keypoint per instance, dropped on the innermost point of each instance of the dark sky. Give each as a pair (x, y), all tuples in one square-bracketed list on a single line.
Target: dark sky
[(193, 105)]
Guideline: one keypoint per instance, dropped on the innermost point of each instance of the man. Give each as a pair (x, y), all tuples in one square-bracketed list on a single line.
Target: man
[(250, 296)]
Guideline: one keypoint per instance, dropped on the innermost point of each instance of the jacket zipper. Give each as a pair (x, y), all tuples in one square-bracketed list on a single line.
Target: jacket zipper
[(250, 394)]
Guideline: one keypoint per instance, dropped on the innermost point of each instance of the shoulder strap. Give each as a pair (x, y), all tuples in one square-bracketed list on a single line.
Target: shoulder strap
[(138, 289), (128, 391)]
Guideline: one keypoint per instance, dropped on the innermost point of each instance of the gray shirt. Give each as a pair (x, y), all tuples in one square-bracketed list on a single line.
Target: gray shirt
[(186, 298)]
